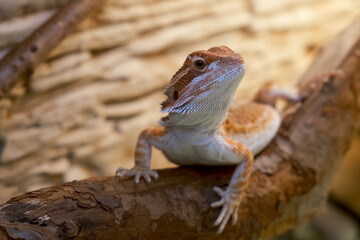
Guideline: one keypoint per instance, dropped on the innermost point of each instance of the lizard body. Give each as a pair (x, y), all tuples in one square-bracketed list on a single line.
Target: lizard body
[(201, 128)]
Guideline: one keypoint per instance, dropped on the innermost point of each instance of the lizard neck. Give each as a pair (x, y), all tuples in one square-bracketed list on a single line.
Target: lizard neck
[(202, 129)]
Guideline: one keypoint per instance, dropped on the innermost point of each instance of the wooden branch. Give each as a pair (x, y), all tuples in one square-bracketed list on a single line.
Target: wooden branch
[(21, 60), (15, 30), (289, 184)]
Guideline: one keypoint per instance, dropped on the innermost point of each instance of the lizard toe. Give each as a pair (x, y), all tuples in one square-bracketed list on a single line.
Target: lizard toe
[(219, 191)]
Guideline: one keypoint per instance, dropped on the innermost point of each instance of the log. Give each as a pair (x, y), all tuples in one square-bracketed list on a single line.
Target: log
[(289, 184), (21, 60)]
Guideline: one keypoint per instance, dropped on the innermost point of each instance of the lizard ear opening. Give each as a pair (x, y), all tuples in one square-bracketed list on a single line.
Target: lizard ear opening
[(176, 95), (172, 95)]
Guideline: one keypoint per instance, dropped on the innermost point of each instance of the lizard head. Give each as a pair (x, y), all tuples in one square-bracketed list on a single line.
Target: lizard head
[(206, 82)]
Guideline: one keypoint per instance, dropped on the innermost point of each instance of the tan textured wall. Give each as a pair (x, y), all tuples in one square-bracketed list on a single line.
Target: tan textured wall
[(80, 114)]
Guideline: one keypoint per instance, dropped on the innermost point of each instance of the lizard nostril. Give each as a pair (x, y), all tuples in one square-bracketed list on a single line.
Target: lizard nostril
[(176, 95)]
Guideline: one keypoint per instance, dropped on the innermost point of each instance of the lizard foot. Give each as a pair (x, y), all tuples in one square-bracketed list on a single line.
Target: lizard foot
[(230, 206), (137, 172)]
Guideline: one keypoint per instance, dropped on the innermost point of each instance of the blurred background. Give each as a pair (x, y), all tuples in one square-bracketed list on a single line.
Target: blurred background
[(81, 112)]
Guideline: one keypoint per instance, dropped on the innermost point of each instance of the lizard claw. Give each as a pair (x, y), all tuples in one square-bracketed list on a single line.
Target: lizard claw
[(229, 208), (137, 173)]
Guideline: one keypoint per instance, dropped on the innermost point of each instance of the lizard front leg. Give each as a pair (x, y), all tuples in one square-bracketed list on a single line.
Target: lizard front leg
[(231, 197), (147, 138)]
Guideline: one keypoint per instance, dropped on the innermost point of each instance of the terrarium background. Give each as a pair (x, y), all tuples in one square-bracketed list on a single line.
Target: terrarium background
[(81, 112)]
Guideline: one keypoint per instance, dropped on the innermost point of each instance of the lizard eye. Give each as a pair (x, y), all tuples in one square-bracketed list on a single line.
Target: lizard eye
[(199, 65)]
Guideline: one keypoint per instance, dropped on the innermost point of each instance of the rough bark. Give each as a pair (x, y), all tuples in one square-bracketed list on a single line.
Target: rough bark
[(21, 60), (289, 184)]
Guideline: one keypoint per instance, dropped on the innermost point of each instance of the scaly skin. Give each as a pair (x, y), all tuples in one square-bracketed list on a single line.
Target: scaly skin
[(200, 127)]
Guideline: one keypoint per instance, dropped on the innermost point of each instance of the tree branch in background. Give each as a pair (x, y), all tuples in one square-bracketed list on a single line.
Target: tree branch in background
[(21, 60), (289, 184)]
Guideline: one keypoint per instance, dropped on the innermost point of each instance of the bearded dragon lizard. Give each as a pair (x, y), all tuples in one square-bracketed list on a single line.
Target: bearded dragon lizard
[(201, 128)]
